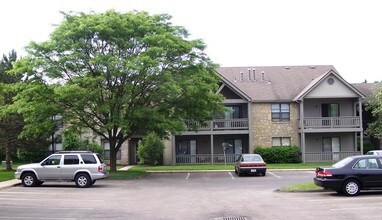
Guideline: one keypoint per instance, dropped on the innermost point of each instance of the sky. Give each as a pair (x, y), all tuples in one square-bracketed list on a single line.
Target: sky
[(345, 34)]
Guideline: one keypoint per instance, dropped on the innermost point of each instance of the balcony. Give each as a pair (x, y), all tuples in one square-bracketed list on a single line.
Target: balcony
[(332, 122), (328, 156), (206, 159), (219, 124)]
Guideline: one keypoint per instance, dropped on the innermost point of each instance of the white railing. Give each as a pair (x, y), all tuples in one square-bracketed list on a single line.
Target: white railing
[(218, 124), (329, 156), (332, 122), (206, 159)]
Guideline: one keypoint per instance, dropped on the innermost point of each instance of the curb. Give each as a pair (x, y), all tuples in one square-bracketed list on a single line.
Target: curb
[(9, 184)]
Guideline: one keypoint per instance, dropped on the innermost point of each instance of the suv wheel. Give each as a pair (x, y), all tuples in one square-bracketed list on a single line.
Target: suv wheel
[(83, 180), (29, 179)]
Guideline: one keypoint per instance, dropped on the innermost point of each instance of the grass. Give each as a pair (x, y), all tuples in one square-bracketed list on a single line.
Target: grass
[(8, 175), (132, 173), (302, 187)]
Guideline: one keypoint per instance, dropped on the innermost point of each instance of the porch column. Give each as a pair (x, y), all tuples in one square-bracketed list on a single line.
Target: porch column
[(361, 124), (302, 130), (173, 150), (212, 149), (250, 136)]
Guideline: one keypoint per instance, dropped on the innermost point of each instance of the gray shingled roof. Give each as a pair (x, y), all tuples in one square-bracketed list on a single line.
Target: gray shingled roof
[(367, 89), (273, 83)]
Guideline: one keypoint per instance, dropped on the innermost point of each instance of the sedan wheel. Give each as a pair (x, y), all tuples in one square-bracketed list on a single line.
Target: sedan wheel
[(351, 188)]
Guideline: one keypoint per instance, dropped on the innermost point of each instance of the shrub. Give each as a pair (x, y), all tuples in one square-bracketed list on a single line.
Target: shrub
[(150, 149), (32, 154), (279, 154), (73, 142), (367, 146)]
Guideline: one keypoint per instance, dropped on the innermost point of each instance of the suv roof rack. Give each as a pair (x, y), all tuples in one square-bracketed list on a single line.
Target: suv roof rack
[(72, 151)]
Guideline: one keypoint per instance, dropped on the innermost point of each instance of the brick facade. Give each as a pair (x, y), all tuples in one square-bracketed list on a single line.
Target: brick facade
[(264, 129)]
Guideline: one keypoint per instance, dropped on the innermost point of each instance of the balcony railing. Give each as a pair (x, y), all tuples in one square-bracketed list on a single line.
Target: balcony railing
[(206, 159), (332, 122), (328, 156), (219, 124)]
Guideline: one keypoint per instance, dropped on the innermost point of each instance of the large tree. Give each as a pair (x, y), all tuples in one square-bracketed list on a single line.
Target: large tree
[(375, 106), (10, 124), (121, 74)]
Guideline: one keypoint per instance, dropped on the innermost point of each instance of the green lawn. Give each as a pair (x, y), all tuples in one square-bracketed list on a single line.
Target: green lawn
[(8, 175), (303, 187)]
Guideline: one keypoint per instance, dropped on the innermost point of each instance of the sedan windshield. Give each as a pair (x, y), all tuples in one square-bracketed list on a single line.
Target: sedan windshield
[(342, 163), (249, 158)]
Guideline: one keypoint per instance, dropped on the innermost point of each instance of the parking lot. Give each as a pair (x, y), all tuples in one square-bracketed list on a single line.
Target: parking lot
[(216, 195)]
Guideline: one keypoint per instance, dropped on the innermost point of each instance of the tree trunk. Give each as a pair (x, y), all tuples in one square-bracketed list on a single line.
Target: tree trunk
[(8, 158), (113, 156)]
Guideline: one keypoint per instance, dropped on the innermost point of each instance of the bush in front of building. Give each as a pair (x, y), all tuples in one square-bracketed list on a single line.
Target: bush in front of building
[(73, 142), (283, 154), (150, 149)]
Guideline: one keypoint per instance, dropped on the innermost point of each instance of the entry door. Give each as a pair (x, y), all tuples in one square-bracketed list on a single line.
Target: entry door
[(238, 146), (332, 144), (336, 148)]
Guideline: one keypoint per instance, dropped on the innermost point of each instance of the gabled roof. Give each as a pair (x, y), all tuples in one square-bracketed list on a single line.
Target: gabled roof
[(314, 83), (233, 87), (273, 83)]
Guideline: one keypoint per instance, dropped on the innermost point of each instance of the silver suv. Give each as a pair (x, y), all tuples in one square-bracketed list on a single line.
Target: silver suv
[(82, 167)]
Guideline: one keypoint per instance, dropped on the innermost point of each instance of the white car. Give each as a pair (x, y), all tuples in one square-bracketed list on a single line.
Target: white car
[(83, 167), (374, 152)]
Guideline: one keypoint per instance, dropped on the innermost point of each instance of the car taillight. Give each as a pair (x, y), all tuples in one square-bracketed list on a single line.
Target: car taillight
[(100, 169), (323, 173), (253, 165)]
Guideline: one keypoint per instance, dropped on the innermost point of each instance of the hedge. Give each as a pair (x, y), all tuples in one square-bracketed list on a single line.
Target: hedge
[(279, 154)]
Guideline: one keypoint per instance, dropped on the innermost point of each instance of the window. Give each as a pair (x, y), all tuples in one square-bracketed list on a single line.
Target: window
[(280, 112), (330, 110), (88, 159), (331, 144), (367, 164), (71, 159), (232, 112), (106, 151), (53, 160), (280, 141), (237, 146), (186, 147)]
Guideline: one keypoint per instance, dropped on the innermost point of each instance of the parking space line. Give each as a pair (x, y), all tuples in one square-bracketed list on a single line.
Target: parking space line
[(188, 176), (231, 175), (275, 175)]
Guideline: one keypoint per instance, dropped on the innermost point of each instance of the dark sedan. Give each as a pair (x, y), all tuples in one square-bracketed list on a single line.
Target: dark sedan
[(250, 164), (351, 175)]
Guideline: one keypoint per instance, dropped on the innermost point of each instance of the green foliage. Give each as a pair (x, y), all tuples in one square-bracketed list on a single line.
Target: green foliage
[(73, 142), (368, 146), (117, 74), (150, 149), (33, 154), (375, 106), (279, 154)]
